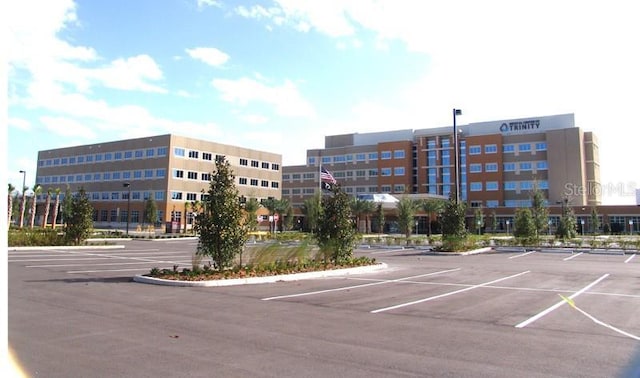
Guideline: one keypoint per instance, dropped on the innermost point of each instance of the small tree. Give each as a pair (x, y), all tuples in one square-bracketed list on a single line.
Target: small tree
[(47, 208), (312, 211), (567, 225), (336, 234), (432, 206), (150, 212), (478, 219), (539, 213), (78, 217), (454, 232), (380, 218), (524, 226), (595, 221), (406, 208), (251, 210), (56, 208), (37, 189), (494, 221), (220, 226)]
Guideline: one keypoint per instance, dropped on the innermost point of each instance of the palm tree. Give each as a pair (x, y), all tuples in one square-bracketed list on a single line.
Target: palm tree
[(56, 206), (187, 205), (368, 209), (10, 202), (282, 207), (23, 205), (312, 210), (358, 207), (37, 189), (431, 206), (251, 208), (406, 212), (47, 206)]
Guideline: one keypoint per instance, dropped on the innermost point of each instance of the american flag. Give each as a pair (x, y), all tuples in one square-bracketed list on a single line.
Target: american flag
[(326, 176)]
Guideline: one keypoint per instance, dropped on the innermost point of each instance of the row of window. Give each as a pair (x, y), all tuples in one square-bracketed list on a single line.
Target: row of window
[(104, 157), (146, 174), (358, 157), (489, 186), (510, 166), (118, 215), (348, 189), (508, 148), (194, 154)]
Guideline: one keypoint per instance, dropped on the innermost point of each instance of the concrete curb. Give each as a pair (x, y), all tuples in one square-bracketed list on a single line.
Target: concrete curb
[(472, 252), (261, 280)]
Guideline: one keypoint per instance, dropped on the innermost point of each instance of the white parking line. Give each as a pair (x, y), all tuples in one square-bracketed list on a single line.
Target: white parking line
[(630, 258), (555, 306), (357, 286), (572, 256), (447, 294), (99, 264), (387, 251), (522, 254)]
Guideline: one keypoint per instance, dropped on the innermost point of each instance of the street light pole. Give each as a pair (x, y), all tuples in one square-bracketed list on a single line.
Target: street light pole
[(24, 197), (128, 186), (456, 168)]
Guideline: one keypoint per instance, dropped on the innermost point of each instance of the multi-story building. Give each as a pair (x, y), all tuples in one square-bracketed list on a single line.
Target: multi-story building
[(172, 170), (501, 162)]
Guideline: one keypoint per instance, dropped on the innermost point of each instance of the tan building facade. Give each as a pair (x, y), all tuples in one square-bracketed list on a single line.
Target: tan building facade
[(172, 170)]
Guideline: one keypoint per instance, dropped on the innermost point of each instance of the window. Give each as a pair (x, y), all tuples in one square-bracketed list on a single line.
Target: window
[(524, 147), (104, 195), (178, 173), (510, 185), (244, 162), (264, 183), (126, 175), (80, 159), (398, 188), (275, 184), (176, 195), (312, 160), (385, 155), (385, 171), (525, 166), (178, 151), (64, 161), (474, 150), (254, 182), (373, 172), (431, 158), (385, 188), (159, 196), (541, 146), (373, 156), (255, 163), (89, 159), (296, 176), (116, 196), (275, 167), (541, 165), (326, 159), (506, 148), (308, 176), (491, 186), (128, 154), (207, 156), (526, 185), (543, 184), (135, 195), (491, 167), (242, 181), (192, 175), (490, 149), (265, 165), (361, 173), (192, 196), (95, 196), (106, 176), (361, 157), (475, 186), (193, 154), (509, 167), (138, 154), (98, 158), (398, 171), (339, 159), (150, 152), (96, 177), (162, 151), (72, 160), (161, 172), (492, 203), (205, 176), (475, 168), (398, 154), (148, 173)]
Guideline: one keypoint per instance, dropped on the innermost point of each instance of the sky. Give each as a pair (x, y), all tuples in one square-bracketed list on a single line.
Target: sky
[(280, 75)]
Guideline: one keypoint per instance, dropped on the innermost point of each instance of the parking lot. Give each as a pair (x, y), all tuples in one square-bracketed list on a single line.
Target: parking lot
[(498, 314)]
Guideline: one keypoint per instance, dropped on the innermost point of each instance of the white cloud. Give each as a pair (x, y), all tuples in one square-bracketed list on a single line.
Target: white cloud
[(130, 74), (19, 123), (286, 99), (67, 127), (208, 3), (209, 55), (254, 119)]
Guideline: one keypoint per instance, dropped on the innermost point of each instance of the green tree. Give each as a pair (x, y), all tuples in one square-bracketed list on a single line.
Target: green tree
[(220, 226), (567, 224), (358, 207), (454, 232), (312, 211), (78, 216), (11, 188), (251, 208), (47, 208), (478, 220), (406, 208), (494, 221), (595, 220), (37, 189), (336, 234), (539, 213), (380, 218), (431, 206), (288, 219), (150, 212), (282, 206), (524, 225)]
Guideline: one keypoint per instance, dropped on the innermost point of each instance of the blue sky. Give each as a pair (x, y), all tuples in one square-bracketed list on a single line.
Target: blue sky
[(280, 75)]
